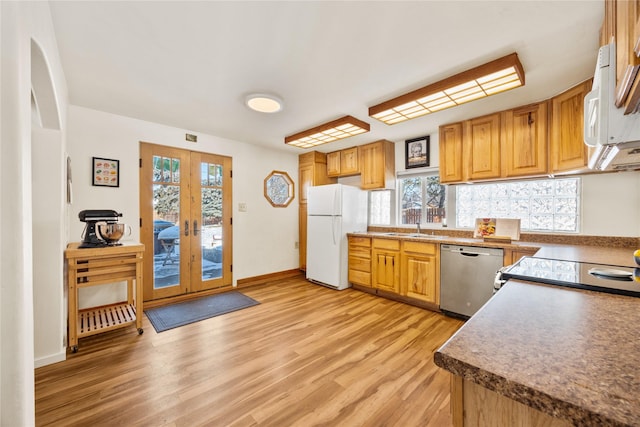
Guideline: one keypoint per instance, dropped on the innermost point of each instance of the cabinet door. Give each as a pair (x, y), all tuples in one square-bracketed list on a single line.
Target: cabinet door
[(386, 270), (302, 235), (420, 277), (481, 145), (333, 164), (372, 161), (524, 141), (349, 162), (305, 175), (451, 153), (627, 62), (567, 147)]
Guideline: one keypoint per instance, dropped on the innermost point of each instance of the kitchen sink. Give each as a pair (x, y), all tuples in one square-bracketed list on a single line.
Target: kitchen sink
[(421, 235)]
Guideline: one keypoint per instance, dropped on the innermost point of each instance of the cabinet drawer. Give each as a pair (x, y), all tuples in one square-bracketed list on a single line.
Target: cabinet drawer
[(360, 241), (360, 264), (420, 247), (359, 251), (360, 277), (386, 244)]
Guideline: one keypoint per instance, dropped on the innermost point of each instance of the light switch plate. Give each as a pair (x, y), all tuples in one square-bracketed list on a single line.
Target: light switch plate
[(242, 207)]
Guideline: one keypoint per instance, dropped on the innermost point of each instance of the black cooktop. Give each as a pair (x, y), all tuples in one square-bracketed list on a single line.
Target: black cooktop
[(595, 277)]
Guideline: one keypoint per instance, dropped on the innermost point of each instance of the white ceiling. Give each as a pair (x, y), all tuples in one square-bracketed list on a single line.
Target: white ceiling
[(191, 64)]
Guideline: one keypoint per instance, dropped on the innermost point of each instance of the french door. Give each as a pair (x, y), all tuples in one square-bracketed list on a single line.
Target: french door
[(185, 214)]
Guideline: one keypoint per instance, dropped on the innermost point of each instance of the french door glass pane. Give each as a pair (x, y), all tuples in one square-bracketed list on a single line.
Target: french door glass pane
[(166, 216), (211, 220)]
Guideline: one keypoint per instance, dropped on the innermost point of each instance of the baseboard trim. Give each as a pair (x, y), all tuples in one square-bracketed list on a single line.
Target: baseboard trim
[(268, 278), (51, 359)]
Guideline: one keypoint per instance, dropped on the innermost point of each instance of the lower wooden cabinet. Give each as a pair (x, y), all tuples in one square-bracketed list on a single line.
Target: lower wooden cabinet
[(386, 265), (420, 271), (408, 270), (511, 256), (360, 260)]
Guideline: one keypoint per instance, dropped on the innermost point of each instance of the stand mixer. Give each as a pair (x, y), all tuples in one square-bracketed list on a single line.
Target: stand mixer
[(98, 222)]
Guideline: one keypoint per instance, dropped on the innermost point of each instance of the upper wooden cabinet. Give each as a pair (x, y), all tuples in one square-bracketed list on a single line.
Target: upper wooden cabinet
[(622, 24), (524, 141), (312, 170), (377, 165), (451, 169), (481, 147), (528, 141), (343, 162), (568, 151)]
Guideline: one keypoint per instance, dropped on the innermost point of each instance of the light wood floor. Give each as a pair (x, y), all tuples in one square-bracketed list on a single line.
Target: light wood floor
[(306, 356)]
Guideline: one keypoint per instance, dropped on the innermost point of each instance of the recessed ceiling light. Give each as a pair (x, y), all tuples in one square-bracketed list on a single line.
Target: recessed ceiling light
[(264, 103)]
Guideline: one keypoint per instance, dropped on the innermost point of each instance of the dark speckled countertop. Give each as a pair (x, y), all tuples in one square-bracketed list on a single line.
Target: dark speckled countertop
[(569, 353)]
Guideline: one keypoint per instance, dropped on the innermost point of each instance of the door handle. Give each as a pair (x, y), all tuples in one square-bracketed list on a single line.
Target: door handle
[(195, 227), (186, 228)]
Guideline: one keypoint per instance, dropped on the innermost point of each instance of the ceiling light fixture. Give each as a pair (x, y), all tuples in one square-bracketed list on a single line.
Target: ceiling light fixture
[(488, 79), (337, 129), (264, 103)]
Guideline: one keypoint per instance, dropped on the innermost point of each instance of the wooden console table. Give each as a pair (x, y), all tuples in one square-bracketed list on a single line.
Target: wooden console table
[(99, 266)]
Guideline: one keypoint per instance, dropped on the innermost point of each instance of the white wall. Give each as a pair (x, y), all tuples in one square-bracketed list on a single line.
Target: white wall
[(610, 201), (22, 22), (263, 237)]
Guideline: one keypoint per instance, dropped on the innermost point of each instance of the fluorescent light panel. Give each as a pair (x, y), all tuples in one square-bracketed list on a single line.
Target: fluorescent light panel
[(343, 127), (493, 77)]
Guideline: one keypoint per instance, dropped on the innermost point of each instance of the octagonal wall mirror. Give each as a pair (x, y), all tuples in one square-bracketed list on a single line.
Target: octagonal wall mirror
[(278, 189)]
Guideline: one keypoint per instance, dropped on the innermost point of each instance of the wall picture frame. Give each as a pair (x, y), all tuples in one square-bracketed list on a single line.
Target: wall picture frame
[(105, 172), (416, 153)]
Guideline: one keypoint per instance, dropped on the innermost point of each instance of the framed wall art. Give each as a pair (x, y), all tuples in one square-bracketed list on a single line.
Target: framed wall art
[(105, 172), (416, 153)]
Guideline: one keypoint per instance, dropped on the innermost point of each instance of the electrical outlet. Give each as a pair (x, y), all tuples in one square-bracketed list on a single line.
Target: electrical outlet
[(296, 245), (242, 207)]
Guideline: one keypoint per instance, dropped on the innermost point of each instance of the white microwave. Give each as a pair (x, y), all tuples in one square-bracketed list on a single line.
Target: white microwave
[(614, 136)]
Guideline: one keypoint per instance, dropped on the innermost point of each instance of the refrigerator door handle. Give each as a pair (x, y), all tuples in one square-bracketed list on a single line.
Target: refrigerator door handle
[(335, 202), (333, 229)]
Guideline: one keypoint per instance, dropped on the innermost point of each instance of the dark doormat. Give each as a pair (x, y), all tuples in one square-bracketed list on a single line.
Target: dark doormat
[(174, 315)]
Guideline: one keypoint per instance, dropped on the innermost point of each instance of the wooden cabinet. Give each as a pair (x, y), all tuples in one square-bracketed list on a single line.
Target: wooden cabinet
[(481, 146), (420, 271), (450, 144), (528, 141), (377, 165), (360, 260), (87, 267), (385, 257), (622, 25), (524, 141), (343, 162), (312, 170), (474, 405), (568, 152), (511, 256), (627, 61)]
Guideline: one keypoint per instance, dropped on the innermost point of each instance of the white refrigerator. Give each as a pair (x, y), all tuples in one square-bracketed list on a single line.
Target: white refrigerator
[(333, 211)]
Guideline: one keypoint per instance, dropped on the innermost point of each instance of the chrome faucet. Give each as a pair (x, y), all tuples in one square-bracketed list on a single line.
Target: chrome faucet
[(418, 225)]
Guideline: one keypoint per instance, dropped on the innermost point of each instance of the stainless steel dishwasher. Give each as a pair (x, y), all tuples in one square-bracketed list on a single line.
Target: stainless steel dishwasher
[(467, 274)]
